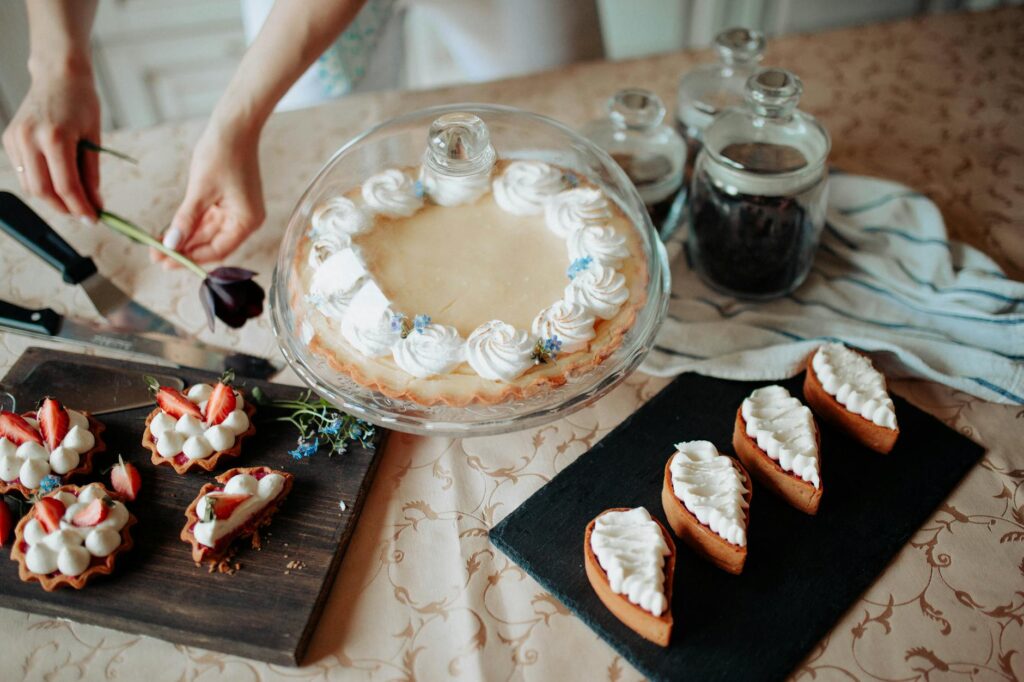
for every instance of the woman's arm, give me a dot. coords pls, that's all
(60, 109)
(224, 199)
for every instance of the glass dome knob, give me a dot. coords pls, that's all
(739, 45)
(459, 144)
(635, 108)
(774, 92)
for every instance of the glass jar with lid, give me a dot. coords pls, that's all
(711, 88)
(757, 198)
(651, 153)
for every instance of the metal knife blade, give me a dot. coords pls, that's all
(100, 390)
(124, 314)
(46, 323)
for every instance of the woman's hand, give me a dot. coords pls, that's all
(224, 200)
(60, 109)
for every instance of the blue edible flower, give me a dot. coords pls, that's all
(571, 179)
(578, 266)
(397, 320)
(420, 322)
(418, 188)
(333, 428)
(305, 448)
(49, 484)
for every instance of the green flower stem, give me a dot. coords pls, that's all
(135, 233)
(89, 145)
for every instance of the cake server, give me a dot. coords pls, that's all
(123, 314)
(48, 324)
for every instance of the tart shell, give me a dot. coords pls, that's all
(263, 517)
(657, 629)
(796, 491)
(85, 460)
(207, 463)
(53, 581)
(878, 438)
(701, 538)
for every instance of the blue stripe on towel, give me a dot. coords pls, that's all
(950, 290)
(880, 201)
(998, 389)
(679, 353)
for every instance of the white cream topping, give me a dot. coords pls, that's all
(784, 428)
(576, 209)
(712, 488)
(631, 549)
(69, 549)
(392, 193)
(599, 289)
(855, 383)
(194, 438)
(435, 349)
(570, 322)
(368, 326)
(31, 462)
(525, 187)
(453, 190)
(335, 282)
(603, 244)
(339, 217)
(499, 351)
(263, 491)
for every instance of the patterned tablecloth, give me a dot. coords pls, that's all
(935, 103)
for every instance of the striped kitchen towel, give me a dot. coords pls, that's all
(886, 280)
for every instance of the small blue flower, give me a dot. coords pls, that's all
(571, 179)
(420, 322)
(305, 448)
(552, 345)
(578, 266)
(397, 322)
(418, 188)
(49, 484)
(333, 428)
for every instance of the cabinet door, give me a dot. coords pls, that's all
(159, 61)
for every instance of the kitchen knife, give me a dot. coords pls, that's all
(49, 324)
(100, 390)
(124, 314)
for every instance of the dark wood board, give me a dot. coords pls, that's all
(260, 612)
(802, 572)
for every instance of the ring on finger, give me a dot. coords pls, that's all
(19, 168)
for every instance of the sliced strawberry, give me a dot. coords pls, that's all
(6, 523)
(54, 422)
(224, 504)
(173, 402)
(222, 403)
(49, 512)
(125, 479)
(14, 428)
(93, 514)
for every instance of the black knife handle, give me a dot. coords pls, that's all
(22, 223)
(42, 321)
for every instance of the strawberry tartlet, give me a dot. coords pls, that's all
(237, 506)
(52, 440)
(71, 535)
(198, 427)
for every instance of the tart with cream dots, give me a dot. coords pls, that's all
(466, 290)
(194, 429)
(240, 503)
(71, 535)
(52, 441)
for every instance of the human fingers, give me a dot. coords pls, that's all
(62, 160)
(37, 174)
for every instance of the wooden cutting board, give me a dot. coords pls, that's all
(265, 611)
(802, 572)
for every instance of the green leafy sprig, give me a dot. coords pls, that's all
(319, 423)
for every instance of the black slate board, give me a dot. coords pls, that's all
(260, 612)
(802, 572)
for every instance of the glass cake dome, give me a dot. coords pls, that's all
(449, 155)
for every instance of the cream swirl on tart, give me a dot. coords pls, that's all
(499, 351)
(631, 549)
(576, 209)
(600, 289)
(525, 187)
(187, 438)
(339, 216)
(853, 381)
(570, 323)
(784, 429)
(54, 440)
(431, 350)
(392, 193)
(603, 245)
(711, 488)
(353, 281)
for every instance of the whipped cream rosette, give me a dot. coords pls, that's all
(576, 209)
(525, 187)
(392, 194)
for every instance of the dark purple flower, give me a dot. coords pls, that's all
(231, 295)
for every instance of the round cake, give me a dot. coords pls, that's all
(468, 288)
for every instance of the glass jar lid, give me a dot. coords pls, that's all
(708, 89)
(767, 146)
